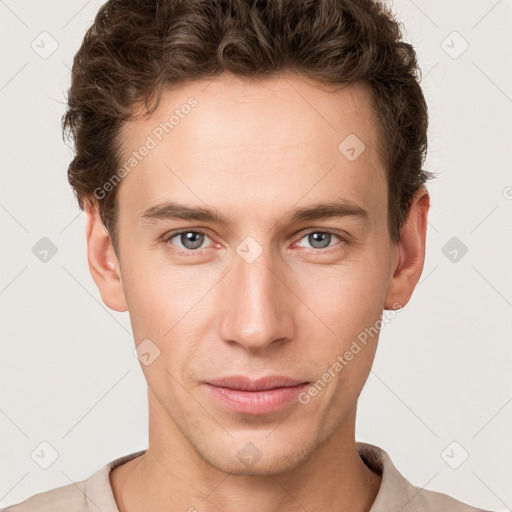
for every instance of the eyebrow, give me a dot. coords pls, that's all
(322, 211)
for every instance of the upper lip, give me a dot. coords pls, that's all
(261, 384)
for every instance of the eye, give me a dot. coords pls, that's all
(188, 240)
(320, 239)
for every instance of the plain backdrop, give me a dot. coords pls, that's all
(439, 399)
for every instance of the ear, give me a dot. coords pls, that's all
(103, 264)
(410, 253)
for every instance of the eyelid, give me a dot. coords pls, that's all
(307, 231)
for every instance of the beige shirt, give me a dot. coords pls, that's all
(95, 494)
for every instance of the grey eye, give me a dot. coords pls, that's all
(191, 239)
(319, 239)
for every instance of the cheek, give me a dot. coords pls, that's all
(159, 295)
(348, 297)
(163, 308)
(351, 307)
(349, 300)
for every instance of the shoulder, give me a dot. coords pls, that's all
(430, 501)
(68, 498)
(397, 493)
(91, 495)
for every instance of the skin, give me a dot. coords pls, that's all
(254, 151)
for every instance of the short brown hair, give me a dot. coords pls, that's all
(137, 48)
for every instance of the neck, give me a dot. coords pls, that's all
(171, 475)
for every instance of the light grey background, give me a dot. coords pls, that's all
(442, 372)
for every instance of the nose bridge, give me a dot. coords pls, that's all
(256, 312)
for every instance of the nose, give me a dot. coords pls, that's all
(257, 304)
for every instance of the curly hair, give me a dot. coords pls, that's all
(137, 48)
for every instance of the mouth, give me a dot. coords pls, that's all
(255, 397)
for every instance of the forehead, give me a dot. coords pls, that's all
(230, 141)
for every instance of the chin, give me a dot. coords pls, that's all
(253, 455)
(269, 463)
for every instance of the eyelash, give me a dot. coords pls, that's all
(191, 252)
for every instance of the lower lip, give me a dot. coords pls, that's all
(255, 402)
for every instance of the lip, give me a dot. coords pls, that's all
(244, 383)
(260, 396)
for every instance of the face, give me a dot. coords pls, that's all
(253, 242)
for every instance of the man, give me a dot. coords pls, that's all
(251, 174)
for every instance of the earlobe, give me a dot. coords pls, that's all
(410, 253)
(103, 263)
